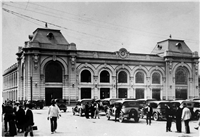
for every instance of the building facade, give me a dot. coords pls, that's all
(49, 67)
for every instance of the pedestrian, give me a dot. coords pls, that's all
(169, 117)
(53, 115)
(96, 114)
(149, 112)
(117, 111)
(20, 119)
(28, 120)
(6, 122)
(178, 118)
(186, 115)
(198, 123)
(92, 109)
(87, 110)
(11, 120)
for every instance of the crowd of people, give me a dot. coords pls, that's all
(18, 118)
(93, 109)
(182, 113)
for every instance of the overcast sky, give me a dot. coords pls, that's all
(101, 26)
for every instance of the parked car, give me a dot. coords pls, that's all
(107, 102)
(62, 104)
(159, 109)
(36, 104)
(142, 104)
(190, 104)
(129, 109)
(80, 106)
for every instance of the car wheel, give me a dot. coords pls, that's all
(156, 116)
(121, 118)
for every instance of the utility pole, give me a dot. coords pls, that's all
(31, 81)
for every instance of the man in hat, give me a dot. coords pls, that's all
(186, 115)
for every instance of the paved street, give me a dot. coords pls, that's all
(69, 125)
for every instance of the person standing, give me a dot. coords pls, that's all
(117, 111)
(53, 115)
(28, 120)
(169, 117)
(87, 110)
(92, 109)
(149, 112)
(97, 111)
(186, 115)
(20, 119)
(178, 118)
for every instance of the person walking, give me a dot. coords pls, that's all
(169, 117)
(198, 123)
(117, 111)
(87, 110)
(53, 115)
(149, 112)
(28, 120)
(20, 114)
(178, 118)
(96, 114)
(186, 115)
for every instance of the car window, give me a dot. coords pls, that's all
(153, 105)
(196, 104)
(105, 102)
(131, 104)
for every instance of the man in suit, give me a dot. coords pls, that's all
(169, 117)
(186, 115)
(178, 118)
(149, 112)
(28, 120)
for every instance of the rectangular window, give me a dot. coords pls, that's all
(156, 94)
(139, 93)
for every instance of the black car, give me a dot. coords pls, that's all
(62, 104)
(36, 104)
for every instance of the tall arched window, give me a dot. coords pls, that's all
(85, 76)
(139, 77)
(105, 77)
(181, 81)
(53, 72)
(156, 78)
(181, 76)
(122, 77)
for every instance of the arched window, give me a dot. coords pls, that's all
(139, 77)
(122, 77)
(85, 76)
(53, 72)
(156, 78)
(105, 77)
(181, 76)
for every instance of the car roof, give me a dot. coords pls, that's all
(182, 101)
(85, 99)
(149, 99)
(158, 102)
(122, 101)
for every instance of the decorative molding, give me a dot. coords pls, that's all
(35, 60)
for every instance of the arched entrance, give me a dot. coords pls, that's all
(181, 81)
(53, 81)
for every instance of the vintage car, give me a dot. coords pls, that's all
(129, 109)
(196, 108)
(159, 109)
(80, 106)
(106, 103)
(62, 104)
(36, 104)
(142, 104)
(190, 104)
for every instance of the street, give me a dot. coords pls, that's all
(70, 125)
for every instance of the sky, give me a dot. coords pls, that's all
(100, 26)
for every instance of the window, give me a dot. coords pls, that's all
(105, 77)
(156, 78)
(85, 76)
(181, 76)
(139, 93)
(122, 77)
(139, 77)
(53, 72)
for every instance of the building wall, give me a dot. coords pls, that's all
(28, 75)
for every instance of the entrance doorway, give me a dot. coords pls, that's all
(85, 93)
(52, 93)
(104, 93)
